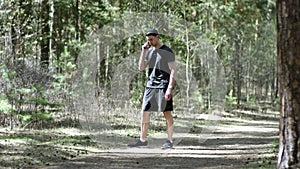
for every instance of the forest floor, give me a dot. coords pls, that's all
(239, 139)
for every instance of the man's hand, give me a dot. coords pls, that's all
(168, 94)
(146, 46)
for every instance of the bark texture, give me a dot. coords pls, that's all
(288, 51)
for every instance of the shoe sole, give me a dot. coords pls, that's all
(165, 148)
(137, 146)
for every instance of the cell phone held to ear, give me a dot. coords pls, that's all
(147, 46)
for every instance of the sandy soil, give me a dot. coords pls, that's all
(238, 140)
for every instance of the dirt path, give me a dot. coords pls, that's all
(240, 140)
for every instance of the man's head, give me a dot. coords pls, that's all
(152, 37)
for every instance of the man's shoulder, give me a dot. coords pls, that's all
(167, 48)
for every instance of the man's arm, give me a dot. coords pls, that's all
(172, 66)
(142, 62)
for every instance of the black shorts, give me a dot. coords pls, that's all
(154, 100)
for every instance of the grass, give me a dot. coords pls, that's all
(38, 148)
(266, 161)
(29, 149)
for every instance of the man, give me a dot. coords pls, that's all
(158, 93)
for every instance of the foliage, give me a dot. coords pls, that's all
(25, 97)
(41, 41)
(231, 100)
(5, 107)
(40, 148)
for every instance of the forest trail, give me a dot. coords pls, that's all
(240, 139)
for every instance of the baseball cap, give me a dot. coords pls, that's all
(151, 32)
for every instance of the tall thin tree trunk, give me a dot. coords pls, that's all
(51, 34)
(45, 43)
(58, 26)
(77, 30)
(248, 65)
(288, 51)
(237, 78)
(187, 71)
(8, 36)
(274, 84)
(238, 52)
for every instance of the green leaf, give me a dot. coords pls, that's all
(24, 90)
(26, 117)
(70, 65)
(5, 107)
(44, 116)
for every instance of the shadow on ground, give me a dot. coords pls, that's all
(234, 143)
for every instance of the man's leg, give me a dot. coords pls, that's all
(145, 123)
(169, 124)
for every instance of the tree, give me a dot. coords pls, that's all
(48, 34)
(45, 42)
(288, 51)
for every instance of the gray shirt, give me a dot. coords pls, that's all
(159, 71)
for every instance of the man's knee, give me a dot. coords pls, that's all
(167, 113)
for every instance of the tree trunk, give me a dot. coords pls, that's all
(187, 71)
(77, 30)
(58, 28)
(45, 43)
(288, 51)
(51, 33)
(237, 70)
(274, 85)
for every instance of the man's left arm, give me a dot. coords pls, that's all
(172, 66)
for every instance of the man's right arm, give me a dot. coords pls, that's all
(142, 62)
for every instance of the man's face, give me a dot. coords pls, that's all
(152, 39)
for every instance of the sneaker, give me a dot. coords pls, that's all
(139, 143)
(167, 145)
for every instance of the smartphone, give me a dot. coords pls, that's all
(148, 46)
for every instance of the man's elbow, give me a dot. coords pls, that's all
(141, 68)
